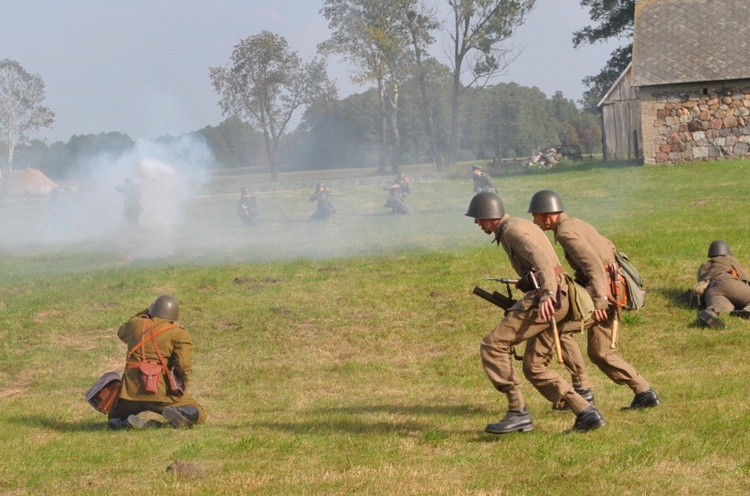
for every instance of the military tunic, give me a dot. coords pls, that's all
(176, 348)
(727, 289)
(589, 253)
(529, 249)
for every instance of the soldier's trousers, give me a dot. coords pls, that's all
(573, 360)
(601, 354)
(727, 295)
(516, 327)
(123, 408)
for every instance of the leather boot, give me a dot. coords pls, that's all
(136, 422)
(646, 399)
(588, 420)
(513, 421)
(587, 395)
(182, 417)
(743, 313)
(711, 319)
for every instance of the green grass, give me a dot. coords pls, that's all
(342, 357)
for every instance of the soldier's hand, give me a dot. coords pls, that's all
(546, 309)
(600, 315)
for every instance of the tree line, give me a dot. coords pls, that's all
(417, 108)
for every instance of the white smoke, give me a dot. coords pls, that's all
(166, 173)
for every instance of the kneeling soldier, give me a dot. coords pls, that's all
(157, 370)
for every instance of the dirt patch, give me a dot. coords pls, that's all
(44, 316)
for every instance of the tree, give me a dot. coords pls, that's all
(265, 83)
(479, 27)
(372, 36)
(21, 109)
(615, 18)
(419, 23)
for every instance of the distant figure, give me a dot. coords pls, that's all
(58, 209)
(132, 206)
(397, 192)
(482, 180)
(325, 207)
(247, 208)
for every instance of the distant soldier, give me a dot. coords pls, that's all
(247, 208)
(397, 192)
(482, 180)
(723, 286)
(58, 209)
(325, 207)
(132, 204)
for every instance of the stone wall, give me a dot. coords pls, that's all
(688, 123)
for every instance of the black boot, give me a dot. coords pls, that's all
(646, 399)
(587, 395)
(182, 417)
(743, 313)
(117, 424)
(588, 420)
(519, 420)
(711, 319)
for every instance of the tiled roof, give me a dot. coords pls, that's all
(681, 41)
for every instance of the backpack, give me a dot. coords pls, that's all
(633, 280)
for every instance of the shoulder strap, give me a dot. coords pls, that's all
(153, 333)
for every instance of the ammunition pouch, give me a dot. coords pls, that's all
(150, 376)
(105, 391)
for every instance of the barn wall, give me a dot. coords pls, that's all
(695, 122)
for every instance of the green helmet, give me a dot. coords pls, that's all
(164, 307)
(545, 202)
(719, 247)
(486, 206)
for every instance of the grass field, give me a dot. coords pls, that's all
(342, 357)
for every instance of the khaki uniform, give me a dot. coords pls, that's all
(726, 289)
(529, 249)
(176, 348)
(588, 254)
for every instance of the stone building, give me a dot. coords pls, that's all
(691, 70)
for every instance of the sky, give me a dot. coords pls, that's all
(141, 67)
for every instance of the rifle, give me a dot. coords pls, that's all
(497, 299)
(504, 280)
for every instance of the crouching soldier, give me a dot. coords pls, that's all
(157, 370)
(722, 285)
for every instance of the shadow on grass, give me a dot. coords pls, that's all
(356, 420)
(61, 425)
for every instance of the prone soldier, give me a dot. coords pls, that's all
(533, 319)
(723, 286)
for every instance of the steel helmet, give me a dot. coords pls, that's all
(545, 202)
(719, 247)
(486, 206)
(164, 307)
